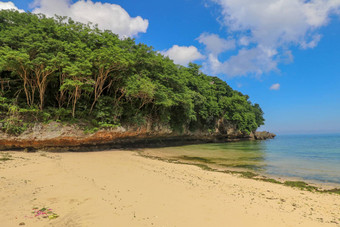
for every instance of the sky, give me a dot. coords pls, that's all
(284, 54)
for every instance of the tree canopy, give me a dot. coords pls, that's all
(59, 69)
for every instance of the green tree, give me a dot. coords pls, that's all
(108, 61)
(69, 68)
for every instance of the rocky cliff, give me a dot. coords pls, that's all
(70, 137)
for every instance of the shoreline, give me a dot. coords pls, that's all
(122, 188)
(317, 186)
(295, 182)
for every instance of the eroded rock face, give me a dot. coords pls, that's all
(56, 135)
(224, 127)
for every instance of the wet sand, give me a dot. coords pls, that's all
(121, 188)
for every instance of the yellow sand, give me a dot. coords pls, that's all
(120, 188)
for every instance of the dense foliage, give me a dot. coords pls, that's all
(59, 69)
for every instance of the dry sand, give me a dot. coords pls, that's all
(121, 188)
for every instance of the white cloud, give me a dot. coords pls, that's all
(9, 5)
(182, 54)
(275, 87)
(277, 22)
(214, 44)
(108, 16)
(244, 41)
(271, 27)
(255, 61)
(312, 43)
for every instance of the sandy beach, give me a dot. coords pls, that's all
(121, 188)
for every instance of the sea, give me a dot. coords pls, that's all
(311, 158)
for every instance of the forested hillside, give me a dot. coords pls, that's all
(62, 70)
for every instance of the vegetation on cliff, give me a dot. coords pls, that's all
(58, 69)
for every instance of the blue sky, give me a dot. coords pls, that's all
(292, 46)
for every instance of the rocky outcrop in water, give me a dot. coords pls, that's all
(263, 135)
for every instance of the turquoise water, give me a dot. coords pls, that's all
(310, 157)
(306, 157)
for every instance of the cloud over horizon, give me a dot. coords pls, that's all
(108, 16)
(9, 5)
(265, 31)
(183, 54)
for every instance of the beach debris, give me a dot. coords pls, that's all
(44, 213)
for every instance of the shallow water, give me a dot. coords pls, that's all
(306, 157)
